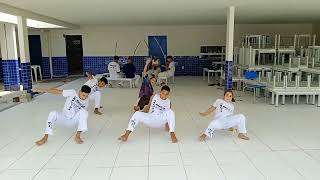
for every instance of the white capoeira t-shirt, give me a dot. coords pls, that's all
(73, 103)
(172, 68)
(114, 69)
(93, 84)
(159, 106)
(223, 109)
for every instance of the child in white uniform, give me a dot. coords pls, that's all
(156, 114)
(95, 94)
(74, 113)
(224, 118)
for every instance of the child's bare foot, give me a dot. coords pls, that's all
(124, 137)
(167, 129)
(173, 137)
(78, 140)
(242, 136)
(42, 140)
(96, 111)
(202, 137)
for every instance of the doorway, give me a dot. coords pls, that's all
(74, 52)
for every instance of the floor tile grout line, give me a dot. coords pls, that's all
(99, 133)
(252, 132)
(304, 150)
(7, 144)
(287, 163)
(115, 160)
(210, 150)
(17, 159)
(301, 149)
(296, 170)
(52, 157)
(246, 155)
(183, 165)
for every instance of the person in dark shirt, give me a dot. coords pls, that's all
(129, 71)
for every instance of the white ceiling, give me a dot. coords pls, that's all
(171, 12)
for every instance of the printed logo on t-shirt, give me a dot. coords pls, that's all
(95, 88)
(222, 108)
(76, 105)
(155, 106)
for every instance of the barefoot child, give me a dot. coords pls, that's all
(156, 114)
(224, 118)
(146, 90)
(74, 113)
(95, 94)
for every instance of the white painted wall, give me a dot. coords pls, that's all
(182, 40)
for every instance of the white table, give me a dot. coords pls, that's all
(209, 73)
(238, 80)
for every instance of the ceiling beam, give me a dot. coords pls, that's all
(31, 15)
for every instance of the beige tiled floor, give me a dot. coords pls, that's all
(284, 141)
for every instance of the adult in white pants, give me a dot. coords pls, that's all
(74, 113)
(96, 86)
(156, 114)
(224, 118)
(170, 68)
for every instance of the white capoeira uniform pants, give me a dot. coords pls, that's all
(58, 118)
(96, 97)
(238, 120)
(153, 121)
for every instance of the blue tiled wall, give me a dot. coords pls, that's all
(59, 66)
(11, 75)
(185, 65)
(45, 67)
(228, 75)
(98, 64)
(1, 71)
(26, 76)
(95, 64)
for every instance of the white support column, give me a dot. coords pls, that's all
(50, 53)
(24, 53)
(10, 61)
(23, 40)
(229, 47)
(230, 34)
